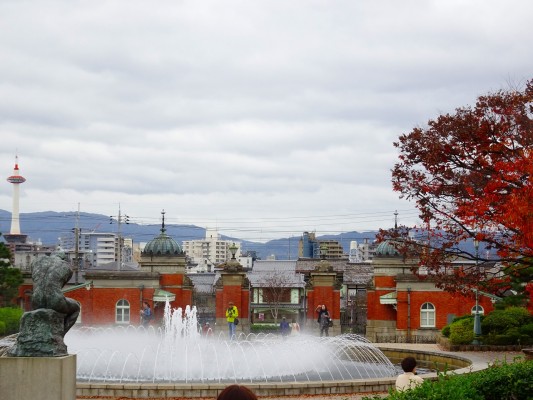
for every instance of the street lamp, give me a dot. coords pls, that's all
(233, 249)
(477, 320)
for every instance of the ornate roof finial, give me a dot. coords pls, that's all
(163, 222)
(396, 220)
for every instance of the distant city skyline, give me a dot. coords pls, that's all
(261, 119)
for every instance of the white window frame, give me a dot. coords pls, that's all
(122, 310)
(427, 315)
(480, 310)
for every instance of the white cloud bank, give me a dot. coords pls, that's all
(262, 118)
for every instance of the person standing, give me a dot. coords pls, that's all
(284, 327)
(409, 379)
(295, 327)
(146, 314)
(323, 320)
(231, 315)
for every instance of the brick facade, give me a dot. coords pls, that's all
(400, 311)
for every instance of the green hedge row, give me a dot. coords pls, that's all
(9, 320)
(264, 328)
(499, 382)
(511, 326)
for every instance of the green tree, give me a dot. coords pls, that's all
(10, 278)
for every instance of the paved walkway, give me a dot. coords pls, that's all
(480, 360)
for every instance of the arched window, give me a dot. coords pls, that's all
(480, 310)
(123, 312)
(427, 315)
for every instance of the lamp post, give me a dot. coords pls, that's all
(477, 320)
(233, 249)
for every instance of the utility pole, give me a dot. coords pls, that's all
(76, 264)
(121, 218)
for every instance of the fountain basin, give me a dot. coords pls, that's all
(327, 387)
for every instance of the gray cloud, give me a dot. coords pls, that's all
(270, 115)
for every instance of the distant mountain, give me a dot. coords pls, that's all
(49, 226)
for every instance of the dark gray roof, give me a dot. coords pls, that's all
(269, 265)
(358, 274)
(283, 270)
(203, 282)
(309, 264)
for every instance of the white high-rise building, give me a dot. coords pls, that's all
(99, 249)
(361, 252)
(209, 252)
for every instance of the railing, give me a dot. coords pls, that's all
(428, 338)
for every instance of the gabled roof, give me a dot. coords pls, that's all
(285, 271)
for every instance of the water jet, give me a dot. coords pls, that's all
(177, 353)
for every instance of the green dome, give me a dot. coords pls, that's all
(162, 245)
(386, 249)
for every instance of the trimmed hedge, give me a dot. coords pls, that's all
(264, 328)
(511, 326)
(462, 331)
(446, 331)
(501, 381)
(499, 321)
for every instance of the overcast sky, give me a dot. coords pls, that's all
(261, 118)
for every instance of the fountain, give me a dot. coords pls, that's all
(178, 353)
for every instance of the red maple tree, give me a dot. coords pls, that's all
(471, 175)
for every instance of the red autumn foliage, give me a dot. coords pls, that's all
(471, 175)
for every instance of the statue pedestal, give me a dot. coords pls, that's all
(38, 378)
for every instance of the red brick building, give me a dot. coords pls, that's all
(116, 296)
(401, 304)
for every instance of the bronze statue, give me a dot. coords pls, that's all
(43, 329)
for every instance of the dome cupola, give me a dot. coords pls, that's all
(162, 245)
(386, 249)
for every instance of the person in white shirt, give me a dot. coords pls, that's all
(408, 379)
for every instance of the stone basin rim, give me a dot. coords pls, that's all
(148, 390)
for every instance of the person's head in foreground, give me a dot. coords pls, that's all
(409, 364)
(236, 392)
(408, 379)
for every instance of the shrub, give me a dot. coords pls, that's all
(462, 331)
(265, 328)
(2, 328)
(446, 331)
(498, 382)
(499, 321)
(461, 317)
(505, 381)
(520, 314)
(527, 330)
(11, 318)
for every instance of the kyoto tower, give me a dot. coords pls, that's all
(16, 179)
